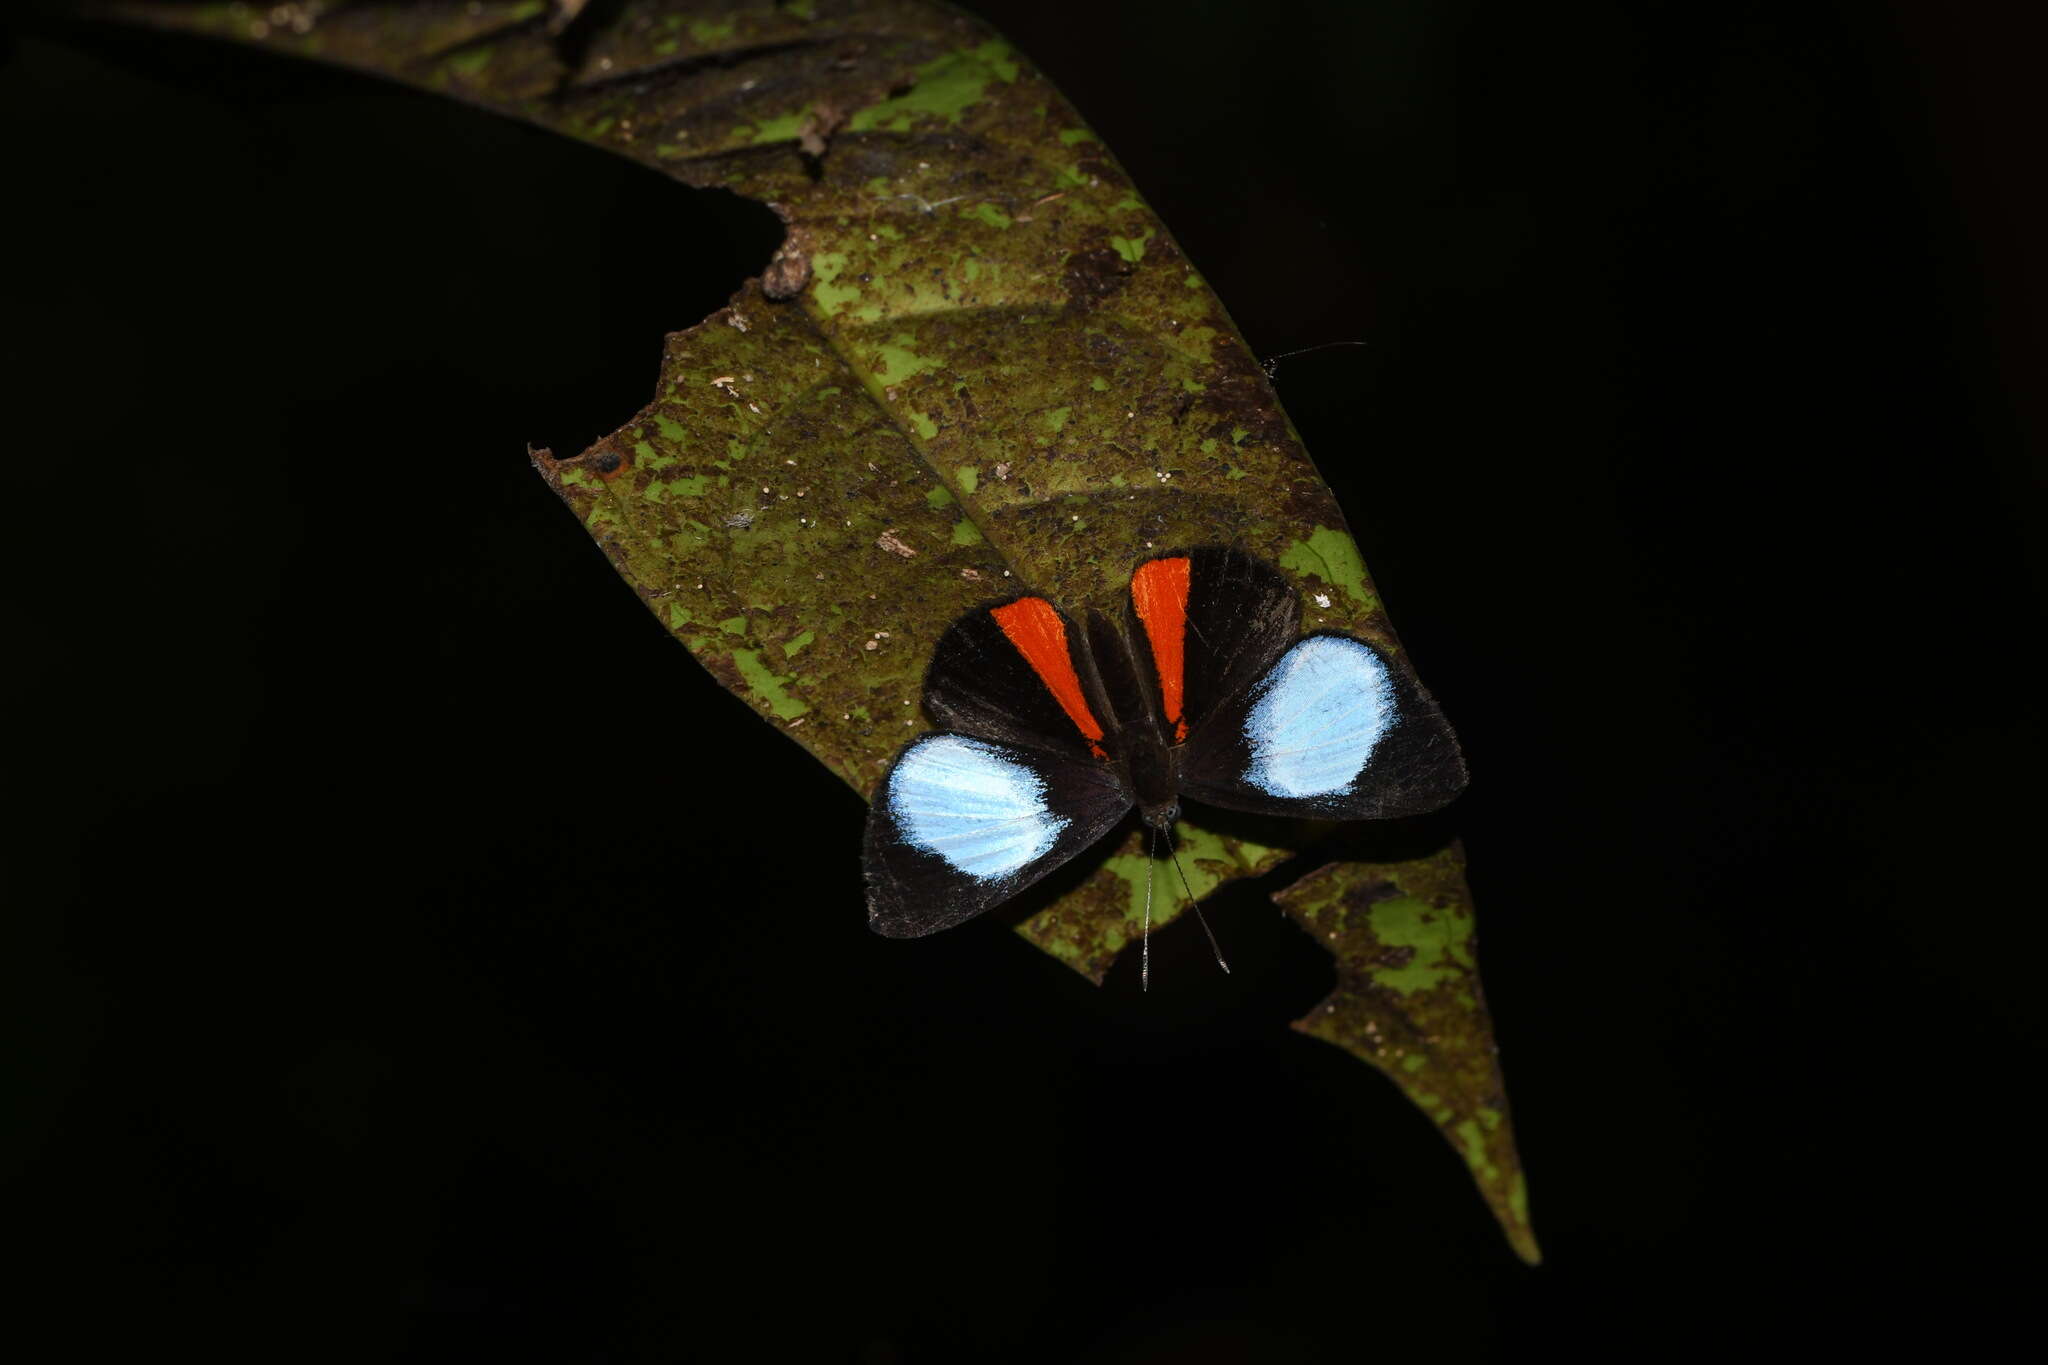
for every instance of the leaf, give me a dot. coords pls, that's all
(979, 361)
(1408, 1002)
(985, 364)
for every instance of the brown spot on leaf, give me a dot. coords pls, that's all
(893, 543)
(564, 15)
(1092, 275)
(789, 270)
(814, 134)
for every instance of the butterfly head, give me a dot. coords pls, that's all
(1161, 817)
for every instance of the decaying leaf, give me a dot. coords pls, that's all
(978, 362)
(1408, 1002)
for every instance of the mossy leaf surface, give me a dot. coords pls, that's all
(1408, 1003)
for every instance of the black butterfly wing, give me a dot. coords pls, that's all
(1333, 729)
(961, 823)
(1016, 671)
(1204, 625)
(1273, 722)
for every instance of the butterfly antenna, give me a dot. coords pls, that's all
(1201, 918)
(1271, 364)
(1145, 953)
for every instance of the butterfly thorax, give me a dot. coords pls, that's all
(1151, 769)
(1151, 764)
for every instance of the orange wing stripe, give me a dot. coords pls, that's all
(1159, 590)
(1041, 637)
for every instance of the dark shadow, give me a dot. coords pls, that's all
(657, 256)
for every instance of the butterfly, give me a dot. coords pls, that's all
(1052, 733)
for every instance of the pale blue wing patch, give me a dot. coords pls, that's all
(1317, 717)
(982, 811)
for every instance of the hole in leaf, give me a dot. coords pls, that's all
(488, 254)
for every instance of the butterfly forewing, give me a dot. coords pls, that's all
(962, 823)
(1207, 624)
(1014, 672)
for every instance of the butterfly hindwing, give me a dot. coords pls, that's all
(961, 823)
(1333, 729)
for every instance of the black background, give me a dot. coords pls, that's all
(418, 957)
